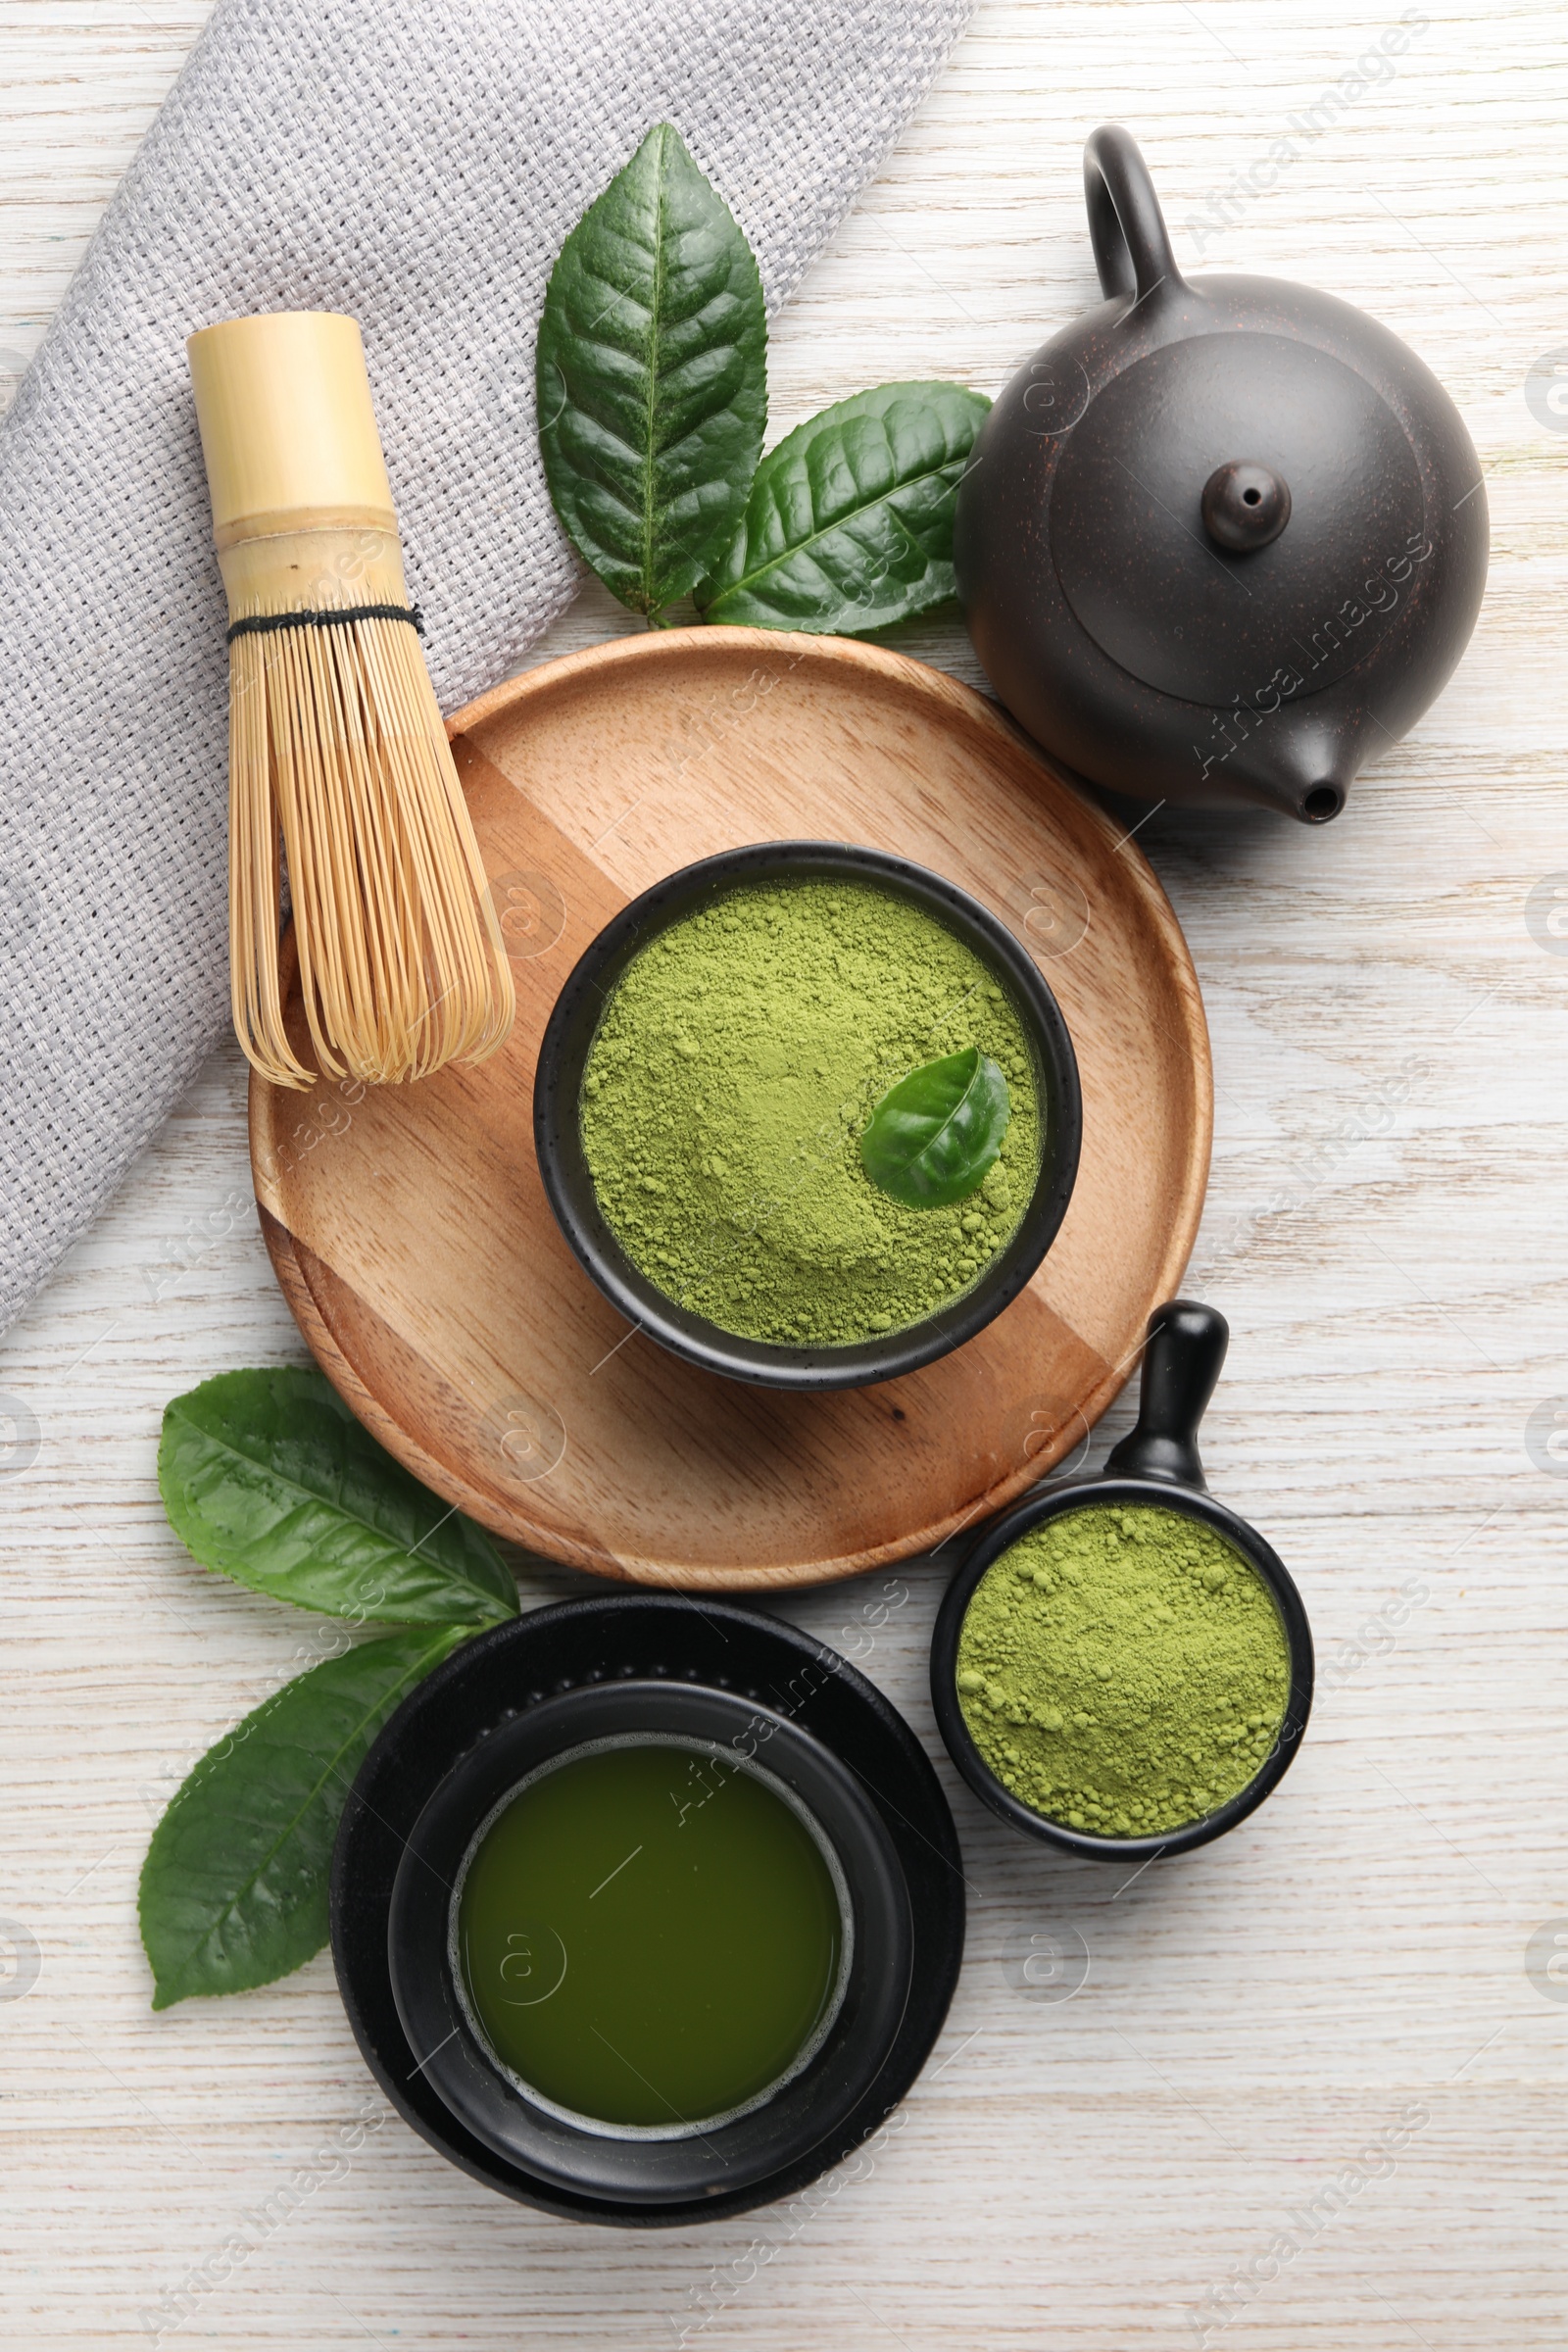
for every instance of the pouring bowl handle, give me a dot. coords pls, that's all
(1182, 1353)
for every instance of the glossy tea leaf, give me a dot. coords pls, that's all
(934, 1136)
(234, 1887)
(848, 525)
(651, 377)
(268, 1477)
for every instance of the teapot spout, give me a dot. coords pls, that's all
(1306, 772)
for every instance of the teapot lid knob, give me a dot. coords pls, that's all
(1244, 506)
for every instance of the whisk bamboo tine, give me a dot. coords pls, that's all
(336, 748)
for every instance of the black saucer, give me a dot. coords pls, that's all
(495, 1680)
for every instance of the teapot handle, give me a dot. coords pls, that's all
(1126, 226)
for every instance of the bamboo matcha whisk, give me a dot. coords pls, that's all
(335, 738)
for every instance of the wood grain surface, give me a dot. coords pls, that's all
(411, 1231)
(1204, 2145)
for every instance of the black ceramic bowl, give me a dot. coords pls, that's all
(636, 2166)
(570, 1187)
(661, 1664)
(1156, 1464)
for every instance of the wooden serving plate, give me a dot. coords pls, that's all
(410, 1230)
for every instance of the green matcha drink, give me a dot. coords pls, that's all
(648, 1937)
(728, 1094)
(1123, 1671)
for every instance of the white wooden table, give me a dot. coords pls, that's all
(1372, 1956)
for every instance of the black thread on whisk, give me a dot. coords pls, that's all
(262, 624)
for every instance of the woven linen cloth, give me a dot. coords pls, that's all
(415, 162)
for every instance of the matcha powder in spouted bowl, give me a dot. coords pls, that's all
(727, 1093)
(1123, 1671)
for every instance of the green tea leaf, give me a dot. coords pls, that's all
(651, 377)
(268, 1477)
(234, 1887)
(848, 525)
(933, 1137)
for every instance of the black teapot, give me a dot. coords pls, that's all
(1219, 542)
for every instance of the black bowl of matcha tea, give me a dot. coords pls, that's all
(807, 1115)
(646, 1912)
(1122, 1667)
(653, 1940)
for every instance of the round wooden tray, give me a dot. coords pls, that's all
(410, 1230)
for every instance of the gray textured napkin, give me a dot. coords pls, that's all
(416, 162)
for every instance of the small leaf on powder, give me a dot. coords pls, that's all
(934, 1136)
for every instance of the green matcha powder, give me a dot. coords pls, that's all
(1123, 1671)
(728, 1087)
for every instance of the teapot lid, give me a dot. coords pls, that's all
(1230, 504)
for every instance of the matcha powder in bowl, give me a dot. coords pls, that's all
(729, 1082)
(1123, 1671)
